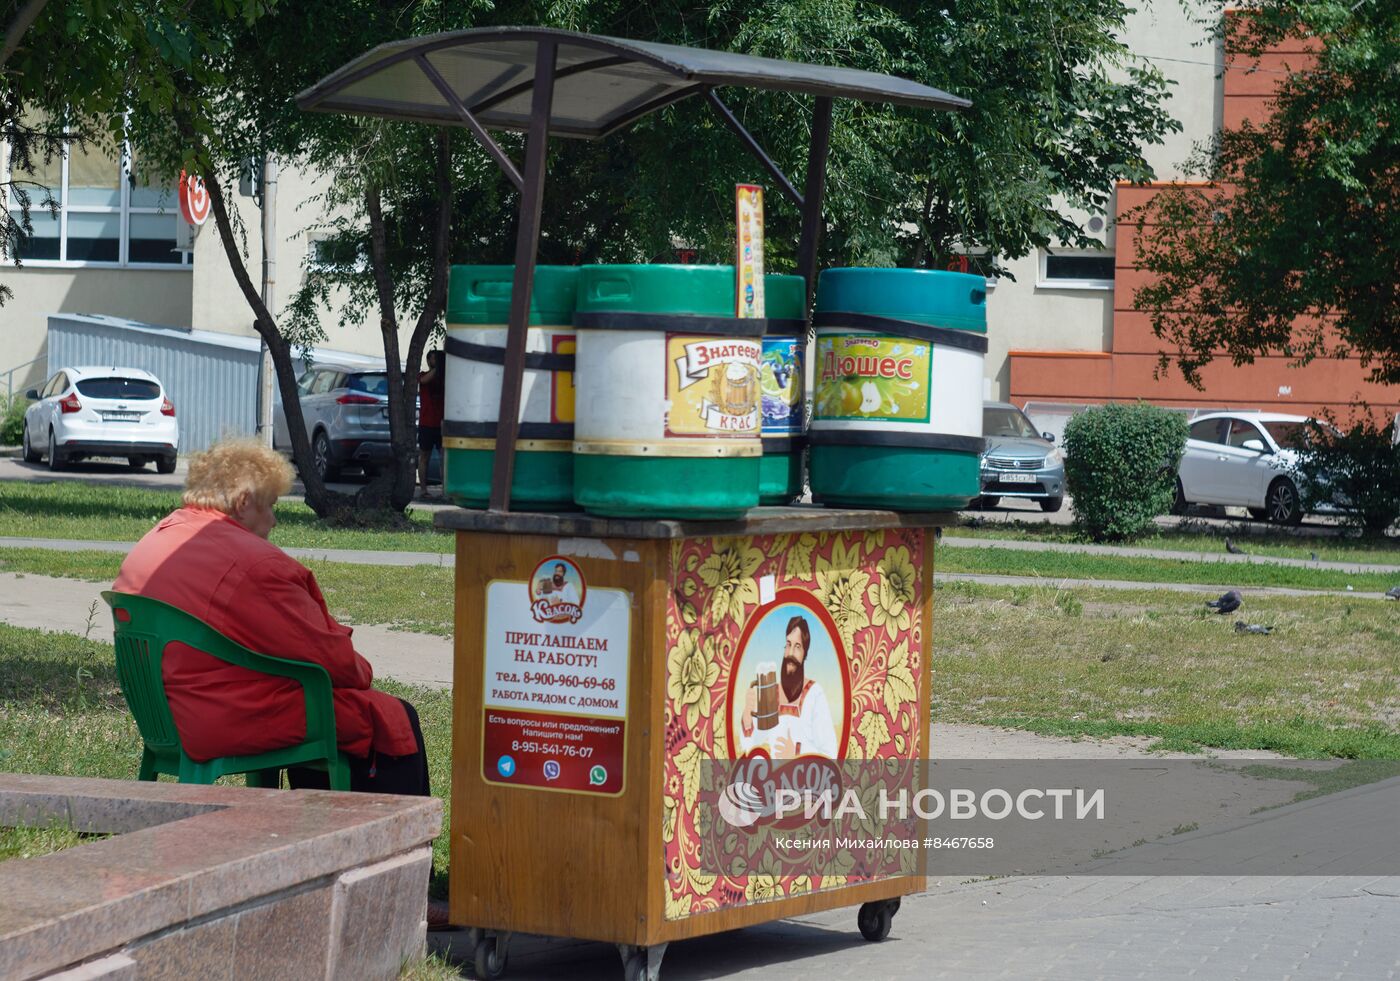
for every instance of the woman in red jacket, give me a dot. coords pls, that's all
(211, 558)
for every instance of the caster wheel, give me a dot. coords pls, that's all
(636, 967)
(874, 920)
(489, 962)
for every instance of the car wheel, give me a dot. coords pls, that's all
(31, 455)
(1258, 514)
(1282, 503)
(56, 461)
(166, 464)
(1051, 504)
(321, 457)
(987, 501)
(137, 462)
(1180, 505)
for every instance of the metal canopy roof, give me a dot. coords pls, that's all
(612, 82)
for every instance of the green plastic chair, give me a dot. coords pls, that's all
(143, 628)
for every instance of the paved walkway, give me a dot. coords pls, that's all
(446, 560)
(1127, 551)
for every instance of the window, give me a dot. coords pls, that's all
(109, 212)
(1241, 432)
(131, 389)
(1007, 422)
(374, 384)
(1207, 430)
(1076, 270)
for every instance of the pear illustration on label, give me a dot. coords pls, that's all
(869, 397)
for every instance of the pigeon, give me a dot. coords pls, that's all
(1314, 556)
(1234, 549)
(1393, 593)
(1228, 603)
(1251, 628)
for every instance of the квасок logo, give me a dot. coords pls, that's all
(557, 591)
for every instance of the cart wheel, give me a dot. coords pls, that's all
(635, 969)
(490, 960)
(874, 920)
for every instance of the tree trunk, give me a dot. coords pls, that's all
(325, 503)
(393, 488)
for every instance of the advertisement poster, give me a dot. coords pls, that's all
(873, 377)
(792, 647)
(712, 386)
(561, 394)
(780, 385)
(748, 265)
(555, 686)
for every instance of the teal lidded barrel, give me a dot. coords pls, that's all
(781, 475)
(897, 419)
(668, 393)
(478, 315)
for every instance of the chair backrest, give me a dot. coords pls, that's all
(143, 627)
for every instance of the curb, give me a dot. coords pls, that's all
(11, 451)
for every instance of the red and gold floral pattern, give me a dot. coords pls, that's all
(872, 583)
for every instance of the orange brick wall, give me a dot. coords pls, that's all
(1131, 369)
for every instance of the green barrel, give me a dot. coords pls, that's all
(781, 474)
(478, 313)
(897, 418)
(668, 393)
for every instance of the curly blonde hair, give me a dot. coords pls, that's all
(233, 467)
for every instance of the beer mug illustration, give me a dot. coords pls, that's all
(738, 391)
(766, 715)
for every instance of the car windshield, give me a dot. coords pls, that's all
(376, 384)
(1007, 422)
(130, 389)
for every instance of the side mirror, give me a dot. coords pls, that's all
(32, 395)
(1256, 445)
(1048, 435)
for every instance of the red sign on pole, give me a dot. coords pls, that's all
(194, 198)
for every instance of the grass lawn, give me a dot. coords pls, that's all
(1073, 565)
(1211, 538)
(1102, 663)
(87, 512)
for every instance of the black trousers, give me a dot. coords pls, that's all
(380, 774)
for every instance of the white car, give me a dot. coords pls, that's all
(1244, 459)
(83, 412)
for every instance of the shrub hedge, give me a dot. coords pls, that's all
(1120, 467)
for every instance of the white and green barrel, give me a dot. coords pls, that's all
(783, 387)
(897, 419)
(478, 312)
(669, 423)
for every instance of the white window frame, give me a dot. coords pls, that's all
(124, 210)
(315, 263)
(1042, 281)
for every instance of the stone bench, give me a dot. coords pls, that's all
(214, 882)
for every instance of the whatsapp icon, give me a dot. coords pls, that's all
(598, 776)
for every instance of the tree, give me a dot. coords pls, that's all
(1294, 248)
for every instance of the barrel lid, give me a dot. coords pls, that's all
(481, 294)
(784, 297)
(704, 291)
(926, 296)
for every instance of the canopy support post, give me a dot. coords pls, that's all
(473, 124)
(748, 140)
(527, 240)
(812, 199)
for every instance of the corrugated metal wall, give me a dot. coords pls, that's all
(212, 378)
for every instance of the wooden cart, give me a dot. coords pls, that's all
(596, 666)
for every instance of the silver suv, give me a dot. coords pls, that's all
(347, 419)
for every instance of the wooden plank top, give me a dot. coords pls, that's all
(758, 521)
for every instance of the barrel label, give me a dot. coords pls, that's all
(873, 378)
(781, 383)
(712, 386)
(561, 394)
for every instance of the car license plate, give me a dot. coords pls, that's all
(120, 416)
(1016, 478)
